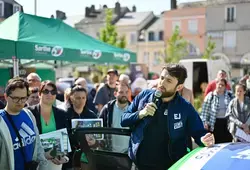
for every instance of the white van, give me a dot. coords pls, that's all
(202, 70)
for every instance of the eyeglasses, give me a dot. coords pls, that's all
(52, 92)
(18, 99)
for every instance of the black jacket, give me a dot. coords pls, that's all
(2, 105)
(61, 118)
(107, 113)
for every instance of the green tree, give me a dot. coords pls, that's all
(109, 33)
(176, 47)
(209, 50)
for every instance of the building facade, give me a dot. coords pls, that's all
(191, 22)
(228, 25)
(152, 45)
(95, 19)
(8, 8)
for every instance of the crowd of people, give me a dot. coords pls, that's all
(161, 129)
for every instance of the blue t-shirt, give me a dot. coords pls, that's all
(26, 130)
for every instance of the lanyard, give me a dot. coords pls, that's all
(17, 133)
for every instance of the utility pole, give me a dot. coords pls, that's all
(35, 7)
(173, 4)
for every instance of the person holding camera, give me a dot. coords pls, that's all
(20, 146)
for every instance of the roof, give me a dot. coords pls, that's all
(11, 2)
(196, 4)
(158, 24)
(101, 15)
(72, 20)
(43, 38)
(133, 18)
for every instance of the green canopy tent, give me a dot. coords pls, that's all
(40, 38)
(7, 48)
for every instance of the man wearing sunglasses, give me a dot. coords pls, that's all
(20, 146)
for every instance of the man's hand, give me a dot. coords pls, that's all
(149, 110)
(208, 139)
(245, 128)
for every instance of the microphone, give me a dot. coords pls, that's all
(157, 96)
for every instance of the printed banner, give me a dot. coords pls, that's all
(82, 123)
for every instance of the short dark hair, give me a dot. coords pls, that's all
(224, 80)
(178, 71)
(77, 88)
(47, 83)
(14, 83)
(33, 90)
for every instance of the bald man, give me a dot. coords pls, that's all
(34, 80)
(83, 83)
(123, 78)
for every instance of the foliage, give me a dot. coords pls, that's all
(209, 50)
(198, 101)
(176, 47)
(109, 33)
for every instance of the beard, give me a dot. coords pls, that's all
(169, 93)
(122, 100)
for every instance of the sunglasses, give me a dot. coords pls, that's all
(52, 92)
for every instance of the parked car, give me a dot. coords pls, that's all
(227, 156)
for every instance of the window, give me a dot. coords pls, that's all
(1, 9)
(161, 34)
(229, 39)
(146, 57)
(230, 13)
(157, 56)
(132, 38)
(193, 26)
(151, 36)
(16, 8)
(192, 50)
(176, 24)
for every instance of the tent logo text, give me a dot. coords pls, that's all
(125, 56)
(95, 54)
(55, 51)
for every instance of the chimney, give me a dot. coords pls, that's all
(60, 15)
(87, 12)
(118, 8)
(92, 8)
(134, 8)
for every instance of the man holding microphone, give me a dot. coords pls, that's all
(162, 121)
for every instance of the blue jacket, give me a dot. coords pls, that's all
(183, 121)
